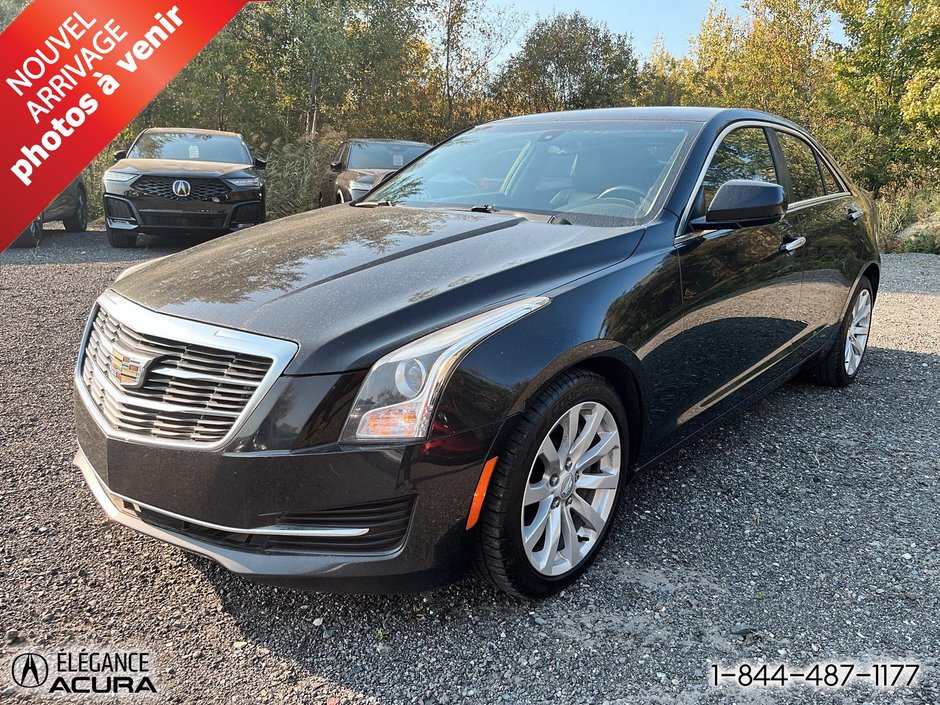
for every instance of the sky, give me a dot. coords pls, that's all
(675, 20)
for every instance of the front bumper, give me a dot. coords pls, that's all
(227, 505)
(127, 211)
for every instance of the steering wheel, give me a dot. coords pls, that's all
(624, 187)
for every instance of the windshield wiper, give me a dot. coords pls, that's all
(373, 204)
(485, 208)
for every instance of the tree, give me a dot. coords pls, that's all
(467, 36)
(569, 62)
(660, 80)
(874, 70)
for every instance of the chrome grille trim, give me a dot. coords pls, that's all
(204, 381)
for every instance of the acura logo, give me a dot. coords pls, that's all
(30, 670)
(182, 188)
(128, 369)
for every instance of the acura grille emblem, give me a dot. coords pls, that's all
(182, 188)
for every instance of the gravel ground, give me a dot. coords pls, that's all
(811, 520)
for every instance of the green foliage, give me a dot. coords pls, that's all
(909, 218)
(297, 75)
(568, 62)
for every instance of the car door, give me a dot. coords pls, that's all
(740, 289)
(827, 214)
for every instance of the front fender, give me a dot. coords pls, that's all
(617, 321)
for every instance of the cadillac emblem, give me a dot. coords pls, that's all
(128, 369)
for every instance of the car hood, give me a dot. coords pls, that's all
(179, 167)
(350, 284)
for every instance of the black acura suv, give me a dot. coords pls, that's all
(182, 182)
(467, 366)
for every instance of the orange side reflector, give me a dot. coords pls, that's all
(477, 504)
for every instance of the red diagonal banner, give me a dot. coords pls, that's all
(74, 73)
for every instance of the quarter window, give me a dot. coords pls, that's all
(805, 179)
(832, 183)
(743, 154)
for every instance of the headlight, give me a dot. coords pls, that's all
(358, 185)
(398, 397)
(248, 181)
(119, 176)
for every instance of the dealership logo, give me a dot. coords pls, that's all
(30, 670)
(182, 188)
(128, 369)
(85, 672)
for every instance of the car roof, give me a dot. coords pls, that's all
(367, 140)
(686, 113)
(193, 131)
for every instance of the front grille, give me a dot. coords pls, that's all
(387, 523)
(118, 209)
(183, 221)
(200, 189)
(183, 391)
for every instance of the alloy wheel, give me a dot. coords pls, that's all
(856, 337)
(571, 489)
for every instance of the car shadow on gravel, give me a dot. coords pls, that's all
(784, 522)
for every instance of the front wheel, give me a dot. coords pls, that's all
(556, 488)
(78, 221)
(843, 361)
(31, 237)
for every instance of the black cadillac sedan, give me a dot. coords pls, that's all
(182, 182)
(467, 366)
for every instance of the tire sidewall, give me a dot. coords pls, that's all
(533, 582)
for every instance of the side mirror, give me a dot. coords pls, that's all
(741, 204)
(120, 154)
(261, 164)
(336, 166)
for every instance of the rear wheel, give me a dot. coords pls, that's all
(78, 221)
(31, 237)
(121, 240)
(556, 488)
(843, 361)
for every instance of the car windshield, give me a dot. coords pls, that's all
(190, 146)
(383, 155)
(591, 173)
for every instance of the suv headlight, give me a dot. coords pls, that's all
(246, 181)
(360, 185)
(119, 176)
(397, 399)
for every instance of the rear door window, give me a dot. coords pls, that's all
(742, 154)
(805, 178)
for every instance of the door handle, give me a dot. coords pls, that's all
(793, 245)
(854, 215)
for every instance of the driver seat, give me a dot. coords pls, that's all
(596, 171)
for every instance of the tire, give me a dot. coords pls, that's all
(78, 221)
(509, 510)
(835, 369)
(339, 198)
(31, 237)
(121, 240)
